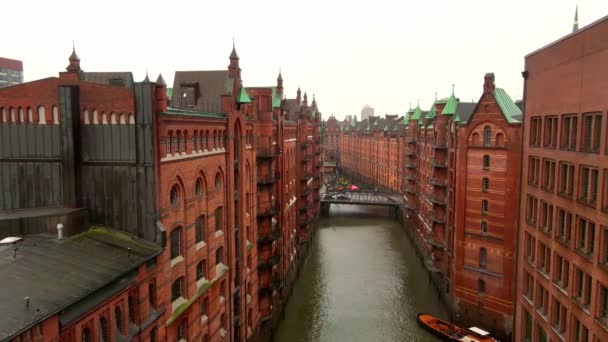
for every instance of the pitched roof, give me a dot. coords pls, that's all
(451, 106)
(210, 84)
(124, 79)
(464, 110)
(57, 274)
(292, 106)
(417, 113)
(243, 97)
(509, 109)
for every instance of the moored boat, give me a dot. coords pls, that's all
(452, 332)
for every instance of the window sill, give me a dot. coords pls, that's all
(223, 332)
(178, 259)
(222, 299)
(559, 286)
(590, 204)
(588, 257)
(218, 233)
(558, 333)
(200, 245)
(248, 299)
(177, 303)
(602, 322)
(201, 282)
(204, 318)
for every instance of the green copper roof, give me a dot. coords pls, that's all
(276, 98)
(507, 106)
(432, 112)
(457, 118)
(185, 112)
(452, 105)
(406, 118)
(169, 92)
(243, 97)
(417, 114)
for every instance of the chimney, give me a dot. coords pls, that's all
(59, 231)
(488, 83)
(161, 93)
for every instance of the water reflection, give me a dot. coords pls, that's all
(361, 282)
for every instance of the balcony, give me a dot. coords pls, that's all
(438, 182)
(270, 210)
(268, 153)
(437, 218)
(439, 163)
(268, 180)
(439, 200)
(266, 264)
(274, 235)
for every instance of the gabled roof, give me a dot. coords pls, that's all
(509, 109)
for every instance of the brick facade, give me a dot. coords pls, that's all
(562, 291)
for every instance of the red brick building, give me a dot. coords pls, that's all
(456, 200)
(331, 140)
(562, 291)
(206, 207)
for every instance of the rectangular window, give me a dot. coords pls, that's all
(531, 210)
(544, 258)
(484, 207)
(528, 286)
(582, 287)
(528, 326)
(605, 191)
(602, 307)
(199, 226)
(561, 271)
(176, 237)
(569, 130)
(581, 333)
(604, 245)
(550, 140)
(587, 187)
(548, 179)
(585, 236)
(530, 251)
(592, 132)
(534, 171)
(535, 130)
(566, 180)
(218, 219)
(546, 217)
(542, 300)
(558, 317)
(564, 226)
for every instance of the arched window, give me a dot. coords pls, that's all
(131, 309)
(41, 115)
(154, 334)
(13, 116)
(486, 162)
(122, 120)
(200, 228)
(204, 306)
(3, 111)
(484, 207)
(218, 181)
(104, 118)
(483, 257)
(168, 143)
(86, 118)
(218, 219)
(487, 136)
(177, 288)
(175, 143)
(485, 184)
(95, 118)
(183, 142)
(475, 139)
(219, 255)
(118, 319)
(131, 119)
(214, 140)
(484, 226)
(198, 188)
(21, 115)
(152, 293)
(86, 335)
(207, 140)
(201, 270)
(181, 330)
(481, 286)
(176, 242)
(103, 329)
(113, 118)
(30, 115)
(55, 115)
(500, 139)
(174, 196)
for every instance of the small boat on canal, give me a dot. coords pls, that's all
(451, 332)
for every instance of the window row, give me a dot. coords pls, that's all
(584, 186)
(120, 325)
(178, 287)
(200, 226)
(587, 135)
(176, 142)
(175, 194)
(28, 115)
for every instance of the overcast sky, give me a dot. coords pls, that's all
(384, 53)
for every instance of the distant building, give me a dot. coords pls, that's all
(11, 72)
(367, 112)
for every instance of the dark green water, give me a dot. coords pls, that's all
(361, 282)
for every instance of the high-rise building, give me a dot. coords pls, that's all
(562, 292)
(367, 112)
(11, 72)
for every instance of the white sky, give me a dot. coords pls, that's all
(349, 53)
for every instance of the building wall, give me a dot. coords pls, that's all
(11, 72)
(566, 79)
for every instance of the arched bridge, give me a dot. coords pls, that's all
(360, 197)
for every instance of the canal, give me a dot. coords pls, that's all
(362, 282)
